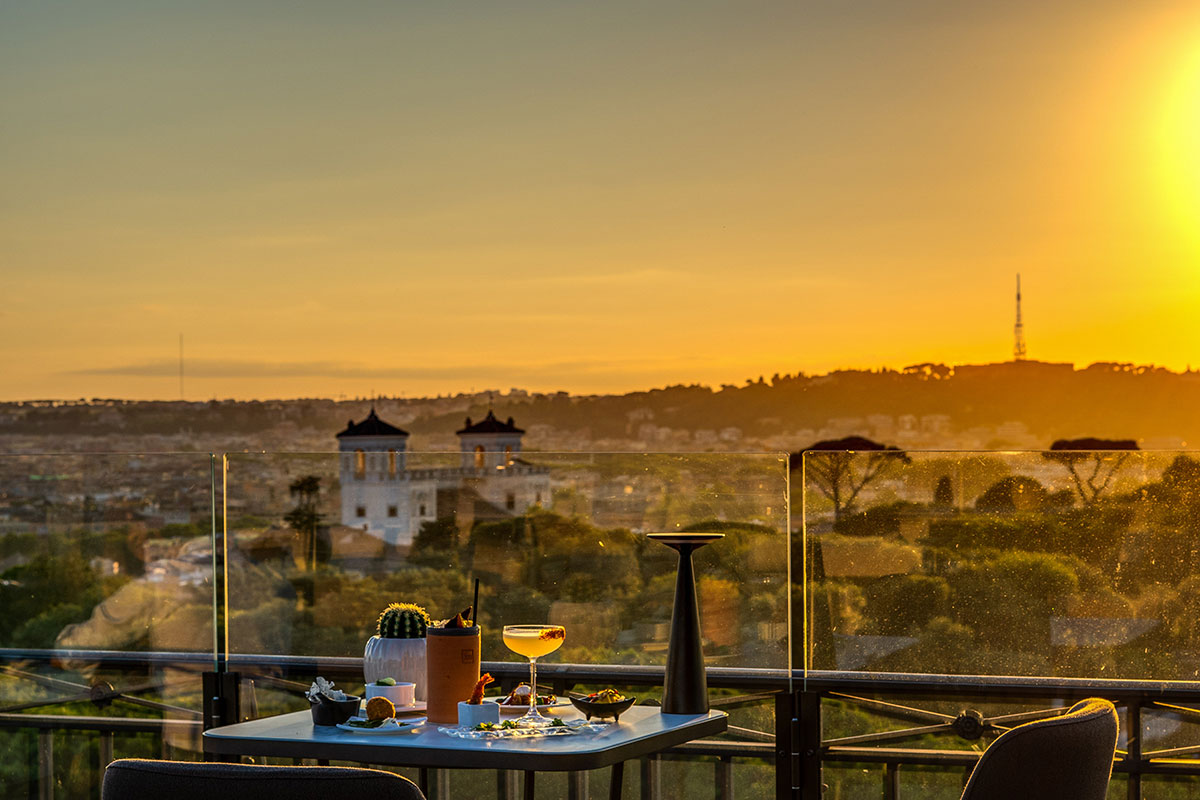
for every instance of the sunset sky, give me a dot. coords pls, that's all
(410, 198)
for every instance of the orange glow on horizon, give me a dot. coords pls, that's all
(414, 200)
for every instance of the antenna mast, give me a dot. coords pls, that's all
(1019, 328)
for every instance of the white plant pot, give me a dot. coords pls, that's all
(402, 659)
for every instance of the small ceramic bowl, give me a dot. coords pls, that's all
(602, 710)
(334, 712)
(401, 695)
(470, 715)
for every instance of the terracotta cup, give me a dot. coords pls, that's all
(451, 670)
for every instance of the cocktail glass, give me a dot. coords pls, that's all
(533, 642)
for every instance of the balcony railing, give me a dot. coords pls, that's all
(871, 621)
(798, 748)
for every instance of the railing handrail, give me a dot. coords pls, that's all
(641, 674)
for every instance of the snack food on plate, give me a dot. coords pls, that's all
(605, 696)
(520, 697)
(380, 708)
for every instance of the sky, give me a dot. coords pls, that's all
(406, 199)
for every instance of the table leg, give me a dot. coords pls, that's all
(508, 784)
(529, 786)
(577, 786)
(651, 784)
(616, 779)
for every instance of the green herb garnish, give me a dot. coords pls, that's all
(366, 723)
(558, 723)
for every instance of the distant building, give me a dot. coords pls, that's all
(383, 496)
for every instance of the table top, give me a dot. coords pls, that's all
(643, 730)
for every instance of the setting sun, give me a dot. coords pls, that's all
(1178, 163)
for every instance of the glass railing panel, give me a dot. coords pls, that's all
(106, 581)
(1065, 563)
(319, 544)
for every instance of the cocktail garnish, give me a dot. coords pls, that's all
(460, 620)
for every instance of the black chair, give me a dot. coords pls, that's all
(139, 778)
(1069, 757)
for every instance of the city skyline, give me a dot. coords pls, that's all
(407, 200)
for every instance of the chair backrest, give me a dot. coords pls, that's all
(138, 778)
(1069, 757)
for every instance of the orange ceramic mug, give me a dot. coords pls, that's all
(451, 670)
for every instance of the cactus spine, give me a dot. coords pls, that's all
(403, 621)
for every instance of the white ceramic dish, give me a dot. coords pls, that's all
(402, 694)
(390, 727)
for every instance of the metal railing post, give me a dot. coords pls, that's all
(106, 750)
(45, 751)
(891, 781)
(809, 773)
(787, 744)
(1133, 749)
(724, 777)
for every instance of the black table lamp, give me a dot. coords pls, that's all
(685, 690)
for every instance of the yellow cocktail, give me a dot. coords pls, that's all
(533, 642)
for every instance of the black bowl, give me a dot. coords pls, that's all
(334, 712)
(602, 710)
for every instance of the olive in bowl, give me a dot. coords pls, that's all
(602, 704)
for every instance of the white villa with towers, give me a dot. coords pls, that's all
(381, 495)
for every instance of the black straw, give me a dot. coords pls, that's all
(475, 605)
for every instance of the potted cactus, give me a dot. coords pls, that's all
(398, 649)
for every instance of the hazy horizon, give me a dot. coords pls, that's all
(397, 199)
(505, 391)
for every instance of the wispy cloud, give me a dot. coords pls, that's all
(226, 368)
(633, 278)
(282, 240)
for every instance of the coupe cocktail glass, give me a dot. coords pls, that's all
(533, 642)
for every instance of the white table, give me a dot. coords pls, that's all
(642, 731)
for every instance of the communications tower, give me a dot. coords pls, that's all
(1019, 328)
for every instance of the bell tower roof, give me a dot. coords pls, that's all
(371, 426)
(489, 424)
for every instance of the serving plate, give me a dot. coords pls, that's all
(521, 709)
(390, 727)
